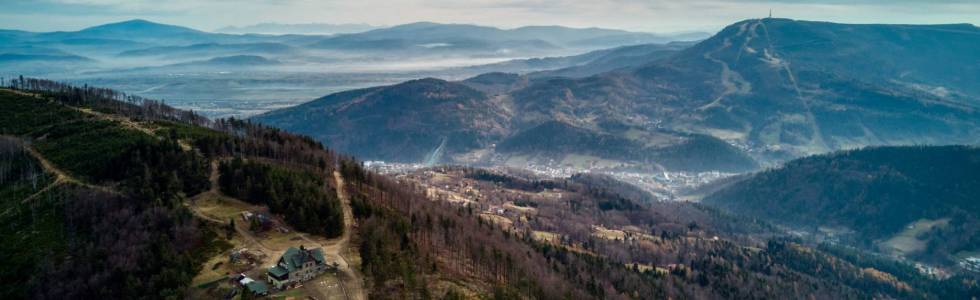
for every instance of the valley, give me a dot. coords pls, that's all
(664, 186)
(749, 97)
(773, 159)
(440, 230)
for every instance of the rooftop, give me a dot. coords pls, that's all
(278, 272)
(257, 287)
(294, 258)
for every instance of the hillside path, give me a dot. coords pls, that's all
(350, 278)
(60, 177)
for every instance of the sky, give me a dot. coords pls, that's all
(637, 15)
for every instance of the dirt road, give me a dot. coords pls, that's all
(350, 278)
(274, 244)
(60, 176)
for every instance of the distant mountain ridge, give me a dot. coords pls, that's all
(40, 57)
(587, 64)
(774, 89)
(452, 34)
(308, 28)
(138, 30)
(138, 25)
(156, 44)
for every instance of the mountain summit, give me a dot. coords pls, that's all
(774, 88)
(137, 27)
(136, 30)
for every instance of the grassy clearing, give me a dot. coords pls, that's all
(222, 208)
(545, 236)
(644, 267)
(526, 210)
(294, 293)
(907, 241)
(609, 234)
(218, 266)
(501, 221)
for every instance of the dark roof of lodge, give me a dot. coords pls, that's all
(257, 287)
(294, 258)
(278, 272)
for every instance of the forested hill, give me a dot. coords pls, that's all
(102, 196)
(876, 192)
(99, 201)
(95, 185)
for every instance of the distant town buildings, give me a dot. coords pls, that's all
(662, 184)
(971, 263)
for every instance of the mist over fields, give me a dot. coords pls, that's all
(247, 70)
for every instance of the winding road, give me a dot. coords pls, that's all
(350, 279)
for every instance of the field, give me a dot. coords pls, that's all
(609, 234)
(546, 236)
(906, 242)
(223, 94)
(580, 161)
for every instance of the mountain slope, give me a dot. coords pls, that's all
(691, 153)
(113, 199)
(674, 246)
(133, 30)
(753, 84)
(87, 196)
(523, 41)
(13, 58)
(618, 58)
(436, 121)
(586, 64)
(309, 28)
(775, 88)
(875, 192)
(109, 202)
(557, 35)
(408, 121)
(90, 220)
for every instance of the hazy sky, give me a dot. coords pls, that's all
(643, 15)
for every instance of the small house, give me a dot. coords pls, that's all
(257, 288)
(297, 265)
